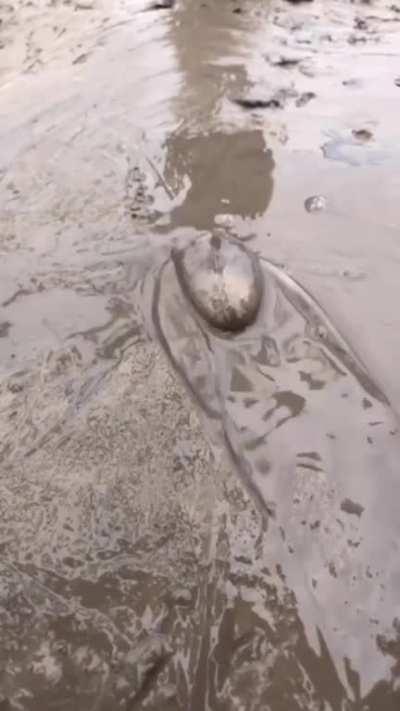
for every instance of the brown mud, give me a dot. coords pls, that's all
(191, 520)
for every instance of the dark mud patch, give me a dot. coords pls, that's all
(277, 101)
(351, 507)
(162, 5)
(362, 134)
(252, 104)
(4, 329)
(284, 61)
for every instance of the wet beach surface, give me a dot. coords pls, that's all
(195, 519)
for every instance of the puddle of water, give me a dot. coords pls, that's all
(224, 173)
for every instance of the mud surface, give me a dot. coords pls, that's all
(191, 520)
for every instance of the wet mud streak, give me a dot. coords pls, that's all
(164, 342)
(333, 341)
(289, 395)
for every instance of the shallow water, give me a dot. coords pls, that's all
(139, 570)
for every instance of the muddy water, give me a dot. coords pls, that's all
(191, 521)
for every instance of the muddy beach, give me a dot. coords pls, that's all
(196, 519)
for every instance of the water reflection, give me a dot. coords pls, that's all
(225, 173)
(211, 47)
(215, 168)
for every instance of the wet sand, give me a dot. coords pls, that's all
(190, 521)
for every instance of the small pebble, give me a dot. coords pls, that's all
(356, 83)
(362, 134)
(305, 98)
(162, 5)
(285, 62)
(315, 203)
(224, 220)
